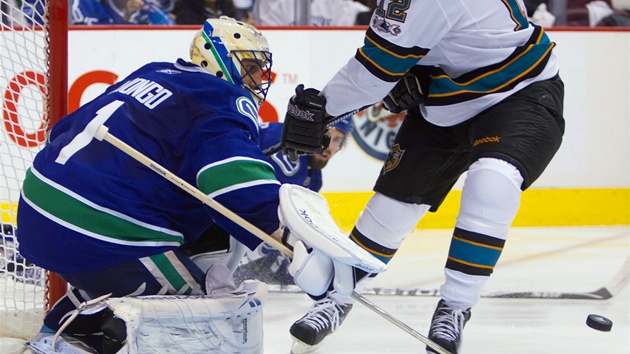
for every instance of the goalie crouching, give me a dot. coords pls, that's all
(114, 228)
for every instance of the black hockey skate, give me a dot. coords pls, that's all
(321, 320)
(447, 326)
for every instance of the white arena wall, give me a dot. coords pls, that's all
(587, 183)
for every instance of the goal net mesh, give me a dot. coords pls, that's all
(25, 103)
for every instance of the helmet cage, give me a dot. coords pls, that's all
(263, 63)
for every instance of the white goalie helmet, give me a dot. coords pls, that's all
(236, 52)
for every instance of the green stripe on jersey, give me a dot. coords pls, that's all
(99, 221)
(233, 172)
(171, 274)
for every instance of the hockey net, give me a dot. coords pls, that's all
(33, 89)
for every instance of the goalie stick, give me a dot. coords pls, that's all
(615, 285)
(103, 134)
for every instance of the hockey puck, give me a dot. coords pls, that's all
(599, 323)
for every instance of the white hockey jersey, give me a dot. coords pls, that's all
(478, 52)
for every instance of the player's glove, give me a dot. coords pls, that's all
(304, 128)
(406, 94)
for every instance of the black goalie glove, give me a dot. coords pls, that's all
(304, 131)
(406, 94)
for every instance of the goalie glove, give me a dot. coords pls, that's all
(406, 94)
(321, 252)
(304, 129)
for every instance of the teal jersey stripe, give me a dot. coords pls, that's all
(233, 172)
(474, 254)
(516, 12)
(386, 60)
(99, 222)
(497, 78)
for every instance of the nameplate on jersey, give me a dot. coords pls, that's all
(147, 92)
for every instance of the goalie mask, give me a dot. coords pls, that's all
(235, 52)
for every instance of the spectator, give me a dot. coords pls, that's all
(595, 13)
(601, 13)
(538, 13)
(33, 11)
(136, 12)
(10, 13)
(89, 12)
(363, 18)
(192, 12)
(322, 12)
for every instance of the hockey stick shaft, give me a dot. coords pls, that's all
(103, 134)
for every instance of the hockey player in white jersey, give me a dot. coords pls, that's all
(483, 95)
(111, 226)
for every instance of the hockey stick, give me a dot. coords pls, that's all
(612, 288)
(103, 134)
(617, 283)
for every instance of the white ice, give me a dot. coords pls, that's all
(567, 259)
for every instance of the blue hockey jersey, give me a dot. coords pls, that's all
(287, 171)
(89, 12)
(85, 204)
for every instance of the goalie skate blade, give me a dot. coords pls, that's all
(300, 347)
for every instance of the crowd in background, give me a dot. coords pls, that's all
(547, 13)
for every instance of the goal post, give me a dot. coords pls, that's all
(33, 96)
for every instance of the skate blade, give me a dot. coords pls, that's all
(300, 347)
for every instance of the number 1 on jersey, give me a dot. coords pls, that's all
(85, 137)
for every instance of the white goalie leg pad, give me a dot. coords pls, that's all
(229, 322)
(307, 215)
(219, 279)
(230, 257)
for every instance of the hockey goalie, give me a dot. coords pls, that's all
(227, 319)
(132, 178)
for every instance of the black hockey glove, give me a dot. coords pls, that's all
(406, 94)
(305, 124)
